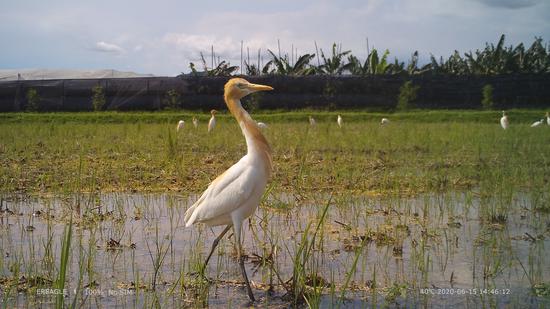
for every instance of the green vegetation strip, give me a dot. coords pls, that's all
(141, 152)
(516, 116)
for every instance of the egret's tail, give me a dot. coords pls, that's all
(190, 216)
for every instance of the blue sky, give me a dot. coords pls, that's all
(162, 37)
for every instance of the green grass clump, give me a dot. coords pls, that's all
(487, 101)
(98, 98)
(407, 95)
(33, 100)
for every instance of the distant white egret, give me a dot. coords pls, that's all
(212, 122)
(312, 121)
(262, 125)
(234, 195)
(547, 118)
(537, 123)
(195, 122)
(504, 123)
(181, 123)
(339, 121)
(384, 121)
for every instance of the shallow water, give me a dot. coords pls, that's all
(430, 250)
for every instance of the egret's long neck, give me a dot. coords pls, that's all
(255, 140)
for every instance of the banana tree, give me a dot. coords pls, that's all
(282, 65)
(222, 69)
(536, 59)
(378, 65)
(335, 64)
(251, 69)
(396, 67)
(412, 67)
(493, 59)
(356, 67)
(373, 65)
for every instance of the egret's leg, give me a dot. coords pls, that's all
(237, 230)
(215, 244)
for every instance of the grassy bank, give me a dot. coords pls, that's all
(58, 152)
(522, 116)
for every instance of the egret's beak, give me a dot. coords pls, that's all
(255, 87)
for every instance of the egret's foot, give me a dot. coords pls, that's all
(245, 277)
(250, 295)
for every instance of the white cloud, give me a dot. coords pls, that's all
(192, 43)
(224, 46)
(108, 48)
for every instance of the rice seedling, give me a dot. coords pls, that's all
(157, 256)
(63, 266)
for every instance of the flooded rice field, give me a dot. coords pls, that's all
(131, 250)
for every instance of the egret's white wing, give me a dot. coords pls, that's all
(225, 194)
(504, 122)
(211, 124)
(181, 123)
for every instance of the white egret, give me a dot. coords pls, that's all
(504, 123)
(384, 121)
(537, 123)
(212, 122)
(548, 118)
(312, 121)
(195, 122)
(234, 195)
(339, 121)
(262, 125)
(181, 123)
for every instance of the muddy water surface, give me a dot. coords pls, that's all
(132, 250)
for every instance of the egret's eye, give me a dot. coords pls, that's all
(241, 85)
